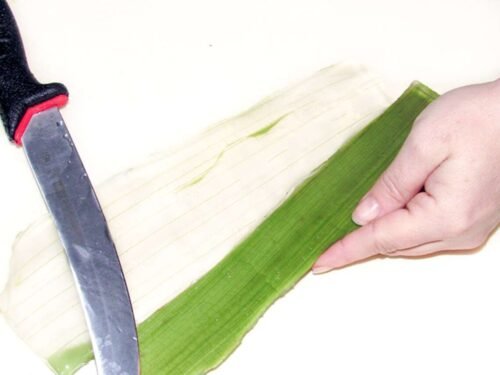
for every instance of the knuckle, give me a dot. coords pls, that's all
(382, 245)
(457, 219)
(459, 225)
(392, 188)
(419, 124)
(474, 242)
(416, 144)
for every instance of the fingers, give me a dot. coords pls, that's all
(417, 251)
(410, 228)
(421, 250)
(404, 178)
(453, 152)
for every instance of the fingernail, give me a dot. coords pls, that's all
(320, 269)
(366, 211)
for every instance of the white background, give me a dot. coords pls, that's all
(146, 74)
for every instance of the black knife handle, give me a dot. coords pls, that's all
(21, 95)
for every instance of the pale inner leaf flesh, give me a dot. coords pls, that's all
(177, 215)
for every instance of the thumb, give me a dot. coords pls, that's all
(405, 229)
(402, 180)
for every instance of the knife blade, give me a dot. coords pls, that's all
(30, 113)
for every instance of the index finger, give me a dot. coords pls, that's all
(402, 229)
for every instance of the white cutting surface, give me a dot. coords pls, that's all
(147, 74)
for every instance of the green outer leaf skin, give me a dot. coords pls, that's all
(197, 330)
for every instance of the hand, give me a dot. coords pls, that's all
(441, 192)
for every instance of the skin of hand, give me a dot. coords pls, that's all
(441, 192)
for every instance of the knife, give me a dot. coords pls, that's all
(30, 114)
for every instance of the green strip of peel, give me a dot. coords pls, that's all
(199, 328)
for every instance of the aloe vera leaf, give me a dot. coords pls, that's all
(204, 324)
